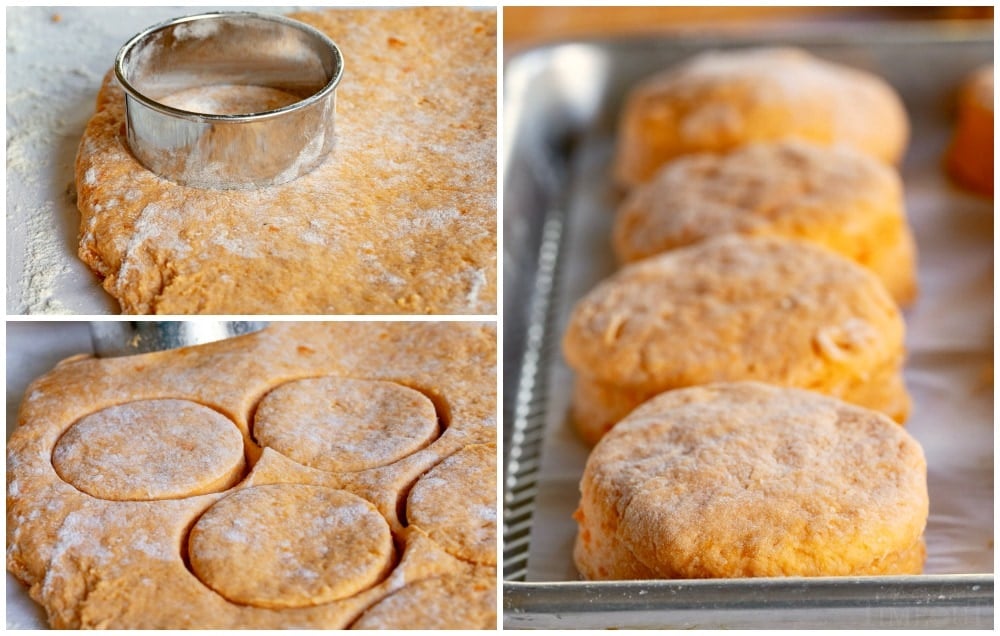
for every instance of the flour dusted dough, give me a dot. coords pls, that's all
(426, 602)
(176, 448)
(401, 218)
(336, 423)
(290, 545)
(462, 521)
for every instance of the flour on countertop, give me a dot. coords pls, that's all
(54, 69)
(50, 92)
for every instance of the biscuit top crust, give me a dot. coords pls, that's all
(789, 188)
(734, 308)
(718, 100)
(759, 480)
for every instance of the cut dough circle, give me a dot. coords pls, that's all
(460, 517)
(345, 425)
(431, 604)
(150, 450)
(290, 545)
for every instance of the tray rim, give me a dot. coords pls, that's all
(679, 603)
(519, 485)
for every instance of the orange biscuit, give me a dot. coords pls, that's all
(719, 100)
(751, 480)
(970, 157)
(735, 308)
(835, 196)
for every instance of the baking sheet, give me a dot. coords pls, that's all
(949, 328)
(56, 60)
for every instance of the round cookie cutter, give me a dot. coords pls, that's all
(117, 338)
(230, 151)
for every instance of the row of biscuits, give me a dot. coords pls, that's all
(741, 374)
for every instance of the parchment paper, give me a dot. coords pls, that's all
(949, 371)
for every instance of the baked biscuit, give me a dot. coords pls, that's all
(834, 196)
(182, 488)
(748, 480)
(970, 157)
(719, 100)
(734, 308)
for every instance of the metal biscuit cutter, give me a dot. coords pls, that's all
(230, 151)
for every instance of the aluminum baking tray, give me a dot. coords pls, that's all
(560, 107)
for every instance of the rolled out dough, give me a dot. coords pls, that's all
(128, 527)
(400, 218)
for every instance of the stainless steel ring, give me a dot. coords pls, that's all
(283, 60)
(114, 338)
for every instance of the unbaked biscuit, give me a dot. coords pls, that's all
(177, 448)
(290, 545)
(428, 603)
(735, 308)
(719, 100)
(464, 522)
(345, 424)
(835, 196)
(970, 157)
(750, 480)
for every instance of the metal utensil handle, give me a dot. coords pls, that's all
(121, 338)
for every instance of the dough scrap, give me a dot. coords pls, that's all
(400, 218)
